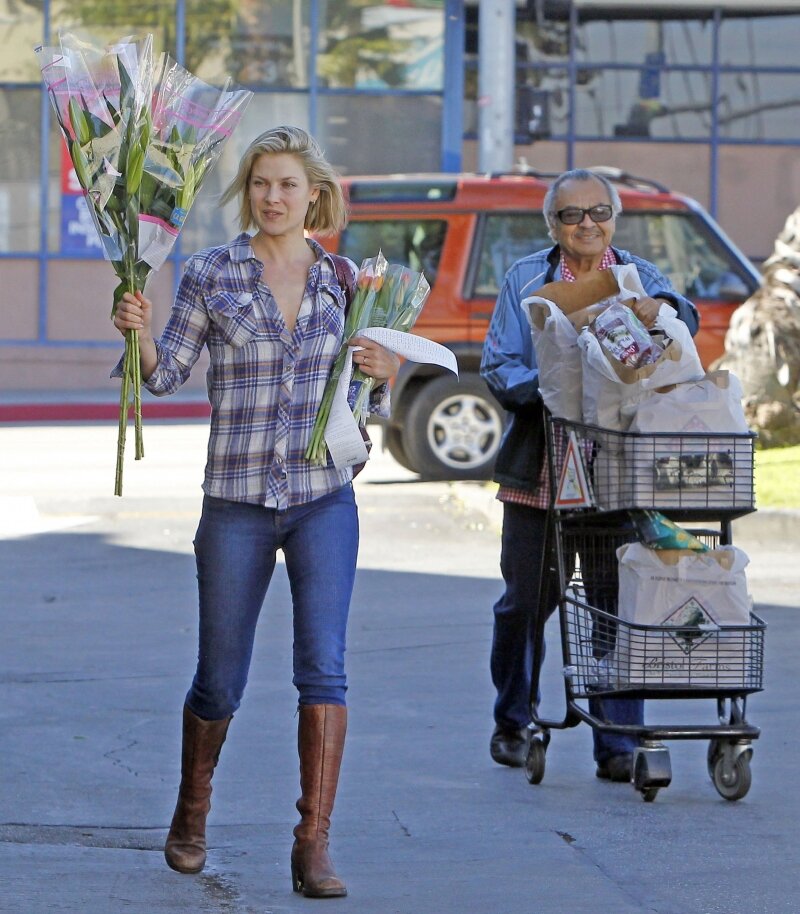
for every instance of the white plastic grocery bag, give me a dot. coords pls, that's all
(708, 464)
(711, 404)
(691, 596)
(558, 358)
(612, 391)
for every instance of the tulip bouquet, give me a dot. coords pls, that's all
(142, 137)
(387, 295)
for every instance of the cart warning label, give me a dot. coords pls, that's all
(573, 486)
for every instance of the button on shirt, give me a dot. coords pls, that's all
(265, 382)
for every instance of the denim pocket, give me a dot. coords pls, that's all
(234, 316)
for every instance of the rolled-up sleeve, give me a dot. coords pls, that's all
(185, 334)
(183, 339)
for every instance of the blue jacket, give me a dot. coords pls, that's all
(509, 363)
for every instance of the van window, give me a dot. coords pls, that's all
(695, 262)
(506, 237)
(676, 243)
(417, 243)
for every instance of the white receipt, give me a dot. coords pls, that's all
(342, 434)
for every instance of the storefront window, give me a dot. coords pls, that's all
(19, 169)
(614, 103)
(651, 43)
(541, 41)
(545, 89)
(21, 30)
(379, 46)
(260, 45)
(759, 106)
(759, 41)
(365, 134)
(110, 20)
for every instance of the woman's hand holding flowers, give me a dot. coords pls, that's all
(134, 312)
(373, 359)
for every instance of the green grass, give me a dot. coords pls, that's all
(777, 477)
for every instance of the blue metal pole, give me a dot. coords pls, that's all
(453, 99)
(180, 32)
(44, 191)
(713, 178)
(313, 94)
(176, 254)
(573, 72)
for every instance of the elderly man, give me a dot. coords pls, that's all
(581, 210)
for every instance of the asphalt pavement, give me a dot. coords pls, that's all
(97, 606)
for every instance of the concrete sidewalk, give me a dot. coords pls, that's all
(98, 611)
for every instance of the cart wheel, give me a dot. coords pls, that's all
(535, 761)
(651, 770)
(713, 755)
(734, 785)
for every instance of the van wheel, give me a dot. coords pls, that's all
(393, 439)
(453, 428)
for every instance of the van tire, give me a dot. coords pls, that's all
(453, 428)
(393, 439)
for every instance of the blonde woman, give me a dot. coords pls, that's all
(270, 308)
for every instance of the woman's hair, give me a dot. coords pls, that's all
(328, 213)
(576, 174)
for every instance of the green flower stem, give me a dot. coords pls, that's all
(317, 451)
(137, 393)
(123, 423)
(362, 400)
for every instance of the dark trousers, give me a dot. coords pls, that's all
(516, 615)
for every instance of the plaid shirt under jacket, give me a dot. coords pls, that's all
(265, 383)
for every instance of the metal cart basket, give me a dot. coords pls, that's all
(599, 480)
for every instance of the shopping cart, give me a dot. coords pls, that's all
(599, 480)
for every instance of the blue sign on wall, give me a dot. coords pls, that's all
(650, 75)
(78, 232)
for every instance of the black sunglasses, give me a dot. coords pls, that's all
(572, 215)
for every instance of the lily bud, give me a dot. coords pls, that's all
(186, 193)
(80, 163)
(80, 127)
(134, 168)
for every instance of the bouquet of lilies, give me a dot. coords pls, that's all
(142, 137)
(387, 295)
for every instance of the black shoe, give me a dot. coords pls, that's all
(509, 747)
(617, 768)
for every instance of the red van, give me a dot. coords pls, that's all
(464, 231)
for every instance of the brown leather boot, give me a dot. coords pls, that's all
(320, 742)
(185, 850)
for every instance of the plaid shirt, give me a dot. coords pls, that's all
(540, 498)
(265, 383)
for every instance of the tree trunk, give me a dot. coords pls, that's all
(762, 346)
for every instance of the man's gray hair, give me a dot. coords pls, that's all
(576, 174)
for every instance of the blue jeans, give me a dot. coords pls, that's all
(516, 615)
(236, 547)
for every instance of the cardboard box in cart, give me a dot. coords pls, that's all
(685, 618)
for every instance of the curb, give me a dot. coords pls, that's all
(776, 528)
(94, 406)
